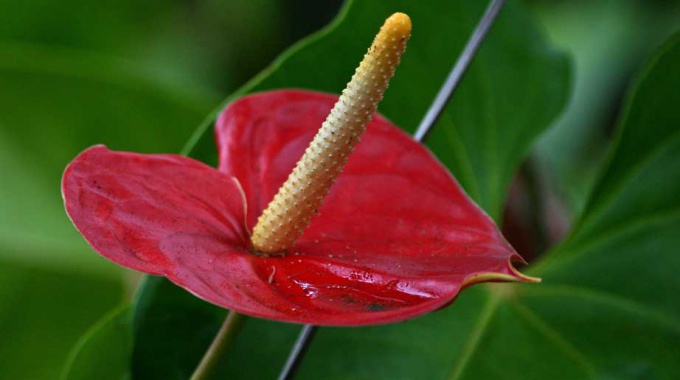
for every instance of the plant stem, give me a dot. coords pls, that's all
(298, 352)
(220, 346)
(458, 70)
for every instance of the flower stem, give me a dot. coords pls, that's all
(209, 365)
(458, 69)
(298, 352)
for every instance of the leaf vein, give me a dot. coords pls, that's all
(475, 338)
(554, 337)
(625, 304)
(558, 258)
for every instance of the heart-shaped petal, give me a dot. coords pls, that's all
(396, 237)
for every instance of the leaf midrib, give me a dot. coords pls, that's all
(555, 338)
(475, 337)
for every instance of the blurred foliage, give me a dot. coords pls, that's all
(213, 44)
(103, 353)
(43, 313)
(141, 75)
(609, 40)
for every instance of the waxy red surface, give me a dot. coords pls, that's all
(396, 238)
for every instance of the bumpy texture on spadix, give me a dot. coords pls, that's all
(301, 195)
(396, 238)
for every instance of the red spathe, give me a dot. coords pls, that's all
(396, 237)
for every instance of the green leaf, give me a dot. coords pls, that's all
(515, 87)
(55, 104)
(104, 352)
(628, 233)
(608, 298)
(43, 313)
(184, 44)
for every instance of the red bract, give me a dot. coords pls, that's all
(396, 238)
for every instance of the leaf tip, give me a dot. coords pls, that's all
(511, 274)
(517, 275)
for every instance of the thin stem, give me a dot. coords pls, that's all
(458, 70)
(219, 347)
(298, 352)
(433, 113)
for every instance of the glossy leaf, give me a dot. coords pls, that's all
(484, 134)
(607, 306)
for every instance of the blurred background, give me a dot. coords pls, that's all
(141, 76)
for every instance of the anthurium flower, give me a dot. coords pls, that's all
(396, 236)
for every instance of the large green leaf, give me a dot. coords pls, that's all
(516, 86)
(607, 306)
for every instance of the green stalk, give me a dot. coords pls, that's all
(220, 346)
